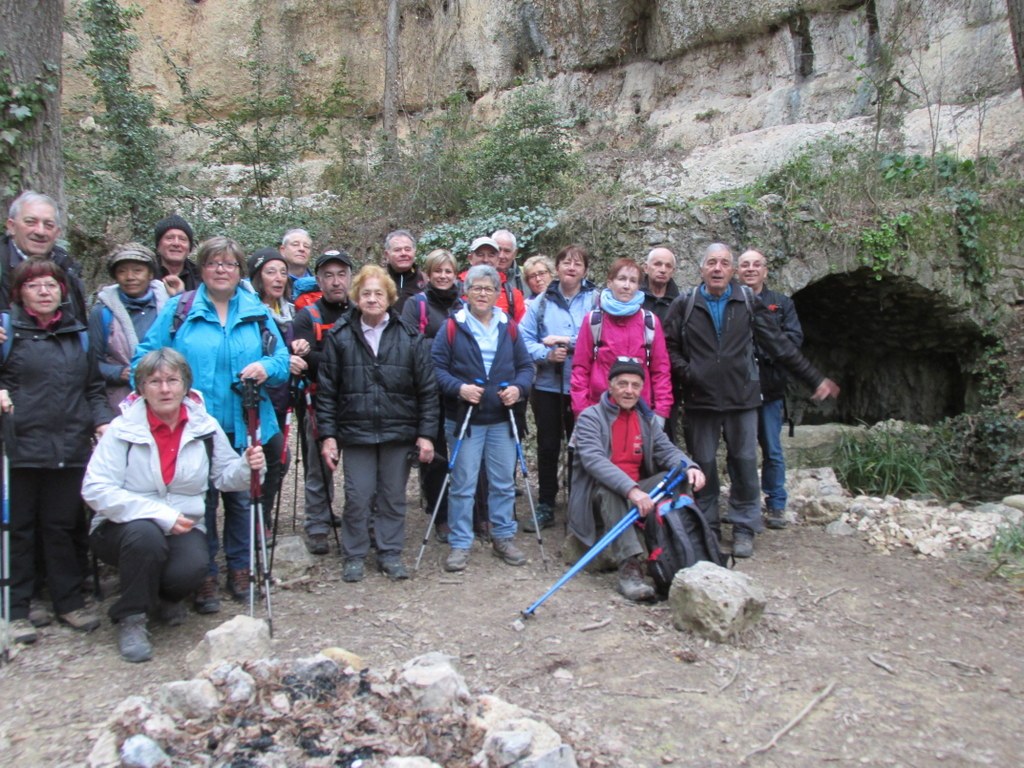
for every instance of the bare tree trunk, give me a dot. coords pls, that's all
(31, 36)
(1015, 8)
(391, 71)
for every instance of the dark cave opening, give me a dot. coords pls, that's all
(897, 349)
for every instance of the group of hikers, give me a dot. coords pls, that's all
(394, 365)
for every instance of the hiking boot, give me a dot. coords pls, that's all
(207, 600)
(81, 619)
(776, 519)
(507, 550)
(238, 584)
(742, 543)
(483, 531)
(393, 568)
(133, 639)
(457, 560)
(39, 615)
(316, 544)
(442, 532)
(545, 518)
(352, 570)
(631, 582)
(23, 632)
(172, 613)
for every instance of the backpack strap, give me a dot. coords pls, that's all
(421, 300)
(5, 351)
(649, 329)
(181, 311)
(596, 316)
(542, 306)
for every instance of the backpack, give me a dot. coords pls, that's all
(184, 306)
(421, 302)
(5, 350)
(678, 536)
(597, 315)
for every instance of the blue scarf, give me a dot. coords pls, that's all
(716, 306)
(617, 308)
(142, 302)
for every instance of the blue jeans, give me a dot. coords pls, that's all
(493, 441)
(773, 460)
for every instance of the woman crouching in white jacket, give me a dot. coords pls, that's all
(147, 481)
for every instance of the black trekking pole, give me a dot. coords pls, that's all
(526, 477)
(328, 477)
(296, 403)
(251, 404)
(444, 486)
(666, 486)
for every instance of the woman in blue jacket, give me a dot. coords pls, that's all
(226, 334)
(482, 361)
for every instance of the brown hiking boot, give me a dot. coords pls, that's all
(238, 584)
(82, 619)
(507, 550)
(207, 600)
(631, 582)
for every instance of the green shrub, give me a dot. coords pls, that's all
(528, 224)
(988, 450)
(1008, 551)
(901, 460)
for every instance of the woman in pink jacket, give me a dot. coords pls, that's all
(621, 327)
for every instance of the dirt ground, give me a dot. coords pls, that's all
(921, 659)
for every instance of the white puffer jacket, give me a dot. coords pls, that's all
(123, 481)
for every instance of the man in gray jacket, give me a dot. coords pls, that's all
(621, 454)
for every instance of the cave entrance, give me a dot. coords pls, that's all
(897, 349)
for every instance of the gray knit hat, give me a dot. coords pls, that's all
(136, 252)
(174, 221)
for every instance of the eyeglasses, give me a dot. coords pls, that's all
(481, 289)
(538, 273)
(172, 382)
(49, 286)
(221, 266)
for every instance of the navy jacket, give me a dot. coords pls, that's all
(460, 362)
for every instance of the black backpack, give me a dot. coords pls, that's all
(678, 536)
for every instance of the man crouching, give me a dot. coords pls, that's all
(621, 453)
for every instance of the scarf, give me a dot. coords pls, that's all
(617, 308)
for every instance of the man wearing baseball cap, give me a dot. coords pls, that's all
(621, 453)
(333, 273)
(485, 250)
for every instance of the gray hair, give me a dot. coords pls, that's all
(715, 248)
(483, 272)
(165, 358)
(29, 196)
(507, 235)
(296, 231)
(398, 233)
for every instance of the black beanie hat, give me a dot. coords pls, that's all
(259, 259)
(625, 365)
(174, 221)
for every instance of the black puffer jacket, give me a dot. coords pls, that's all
(58, 394)
(368, 400)
(75, 299)
(721, 373)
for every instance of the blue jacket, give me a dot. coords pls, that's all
(217, 355)
(552, 315)
(460, 362)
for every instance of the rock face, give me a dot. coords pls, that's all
(715, 602)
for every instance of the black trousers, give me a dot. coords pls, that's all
(151, 564)
(46, 506)
(552, 412)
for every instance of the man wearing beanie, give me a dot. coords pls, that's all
(621, 453)
(174, 242)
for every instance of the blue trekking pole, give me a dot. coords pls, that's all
(444, 486)
(526, 477)
(5, 555)
(666, 486)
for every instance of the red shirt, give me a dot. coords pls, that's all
(627, 443)
(168, 441)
